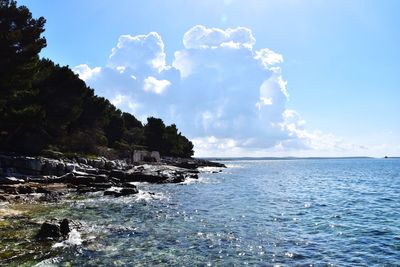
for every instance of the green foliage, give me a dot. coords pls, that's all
(166, 139)
(46, 106)
(20, 44)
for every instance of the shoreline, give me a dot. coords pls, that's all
(48, 179)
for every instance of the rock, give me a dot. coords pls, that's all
(156, 174)
(28, 165)
(25, 190)
(128, 191)
(109, 165)
(66, 178)
(42, 190)
(53, 167)
(52, 154)
(101, 178)
(11, 180)
(191, 163)
(129, 185)
(70, 167)
(54, 229)
(9, 189)
(82, 180)
(105, 172)
(118, 192)
(118, 174)
(49, 230)
(110, 193)
(40, 179)
(82, 161)
(50, 197)
(64, 227)
(97, 163)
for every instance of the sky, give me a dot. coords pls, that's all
(242, 78)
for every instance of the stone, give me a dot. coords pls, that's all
(66, 178)
(118, 174)
(25, 190)
(82, 180)
(128, 191)
(70, 167)
(28, 164)
(64, 227)
(118, 192)
(49, 230)
(82, 161)
(11, 180)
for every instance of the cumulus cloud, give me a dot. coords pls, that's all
(151, 84)
(200, 37)
(224, 94)
(139, 53)
(85, 72)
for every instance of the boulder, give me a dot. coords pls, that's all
(118, 174)
(124, 191)
(128, 191)
(11, 180)
(54, 229)
(49, 230)
(82, 161)
(82, 180)
(25, 189)
(64, 227)
(28, 165)
(66, 178)
(53, 167)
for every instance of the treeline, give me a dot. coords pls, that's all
(45, 106)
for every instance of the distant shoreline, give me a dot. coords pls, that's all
(288, 158)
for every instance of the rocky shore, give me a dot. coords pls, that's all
(48, 179)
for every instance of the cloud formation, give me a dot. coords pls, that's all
(224, 94)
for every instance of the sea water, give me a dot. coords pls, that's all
(300, 212)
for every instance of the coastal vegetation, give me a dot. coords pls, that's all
(46, 107)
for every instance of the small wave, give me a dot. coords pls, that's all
(74, 239)
(236, 166)
(50, 262)
(149, 196)
(200, 180)
(210, 169)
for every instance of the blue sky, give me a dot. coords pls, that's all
(340, 62)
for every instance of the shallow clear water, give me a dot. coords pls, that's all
(340, 212)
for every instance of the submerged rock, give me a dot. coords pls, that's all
(124, 191)
(49, 230)
(54, 229)
(64, 227)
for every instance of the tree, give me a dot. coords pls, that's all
(154, 131)
(44, 105)
(130, 121)
(20, 44)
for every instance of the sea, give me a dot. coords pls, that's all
(270, 212)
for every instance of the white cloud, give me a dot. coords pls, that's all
(85, 72)
(268, 57)
(139, 52)
(200, 37)
(151, 84)
(227, 97)
(125, 102)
